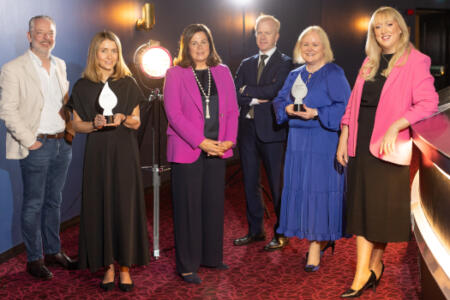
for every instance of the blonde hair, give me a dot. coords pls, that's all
(263, 17)
(373, 49)
(328, 53)
(92, 71)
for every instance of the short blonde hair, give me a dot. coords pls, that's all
(263, 17)
(328, 53)
(373, 49)
(92, 71)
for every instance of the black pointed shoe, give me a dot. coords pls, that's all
(109, 286)
(191, 278)
(371, 282)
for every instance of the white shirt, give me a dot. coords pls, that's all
(51, 121)
(266, 60)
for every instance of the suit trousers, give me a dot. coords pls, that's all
(252, 152)
(198, 194)
(43, 174)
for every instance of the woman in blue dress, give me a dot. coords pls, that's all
(313, 192)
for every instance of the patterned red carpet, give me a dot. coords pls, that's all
(253, 273)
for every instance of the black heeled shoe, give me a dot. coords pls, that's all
(125, 287)
(109, 286)
(330, 244)
(377, 282)
(371, 282)
(192, 278)
(312, 268)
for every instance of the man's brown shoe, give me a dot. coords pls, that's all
(38, 269)
(60, 259)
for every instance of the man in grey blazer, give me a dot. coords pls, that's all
(32, 92)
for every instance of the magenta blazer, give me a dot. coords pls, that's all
(184, 109)
(409, 93)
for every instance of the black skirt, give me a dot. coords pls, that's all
(378, 194)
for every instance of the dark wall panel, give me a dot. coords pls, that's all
(78, 20)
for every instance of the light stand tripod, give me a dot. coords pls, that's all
(155, 99)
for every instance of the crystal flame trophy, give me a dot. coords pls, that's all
(107, 100)
(299, 91)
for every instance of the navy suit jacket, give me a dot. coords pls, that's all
(271, 81)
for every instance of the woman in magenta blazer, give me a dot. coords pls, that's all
(201, 106)
(394, 89)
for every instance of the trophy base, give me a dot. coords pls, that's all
(299, 107)
(109, 119)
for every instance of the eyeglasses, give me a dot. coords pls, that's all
(49, 34)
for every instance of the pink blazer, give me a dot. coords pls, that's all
(184, 109)
(409, 93)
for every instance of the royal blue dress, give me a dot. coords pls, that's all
(313, 192)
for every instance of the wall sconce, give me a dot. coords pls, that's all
(147, 20)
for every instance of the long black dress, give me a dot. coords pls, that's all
(378, 204)
(113, 223)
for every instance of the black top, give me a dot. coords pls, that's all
(85, 94)
(211, 129)
(372, 89)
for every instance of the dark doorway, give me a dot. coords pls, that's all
(433, 39)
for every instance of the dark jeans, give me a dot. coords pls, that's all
(43, 174)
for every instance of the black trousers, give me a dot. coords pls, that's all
(252, 152)
(198, 193)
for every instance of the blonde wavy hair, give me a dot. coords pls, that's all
(328, 53)
(92, 70)
(373, 49)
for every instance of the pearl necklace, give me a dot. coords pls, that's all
(207, 115)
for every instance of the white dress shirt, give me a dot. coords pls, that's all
(269, 53)
(51, 121)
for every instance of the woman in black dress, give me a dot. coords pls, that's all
(394, 89)
(113, 225)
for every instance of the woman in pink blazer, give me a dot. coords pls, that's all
(394, 89)
(201, 106)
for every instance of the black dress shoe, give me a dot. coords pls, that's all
(192, 278)
(126, 287)
(371, 282)
(109, 286)
(60, 259)
(245, 240)
(38, 269)
(277, 243)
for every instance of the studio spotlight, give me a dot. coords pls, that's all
(153, 60)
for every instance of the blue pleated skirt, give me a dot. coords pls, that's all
(313, 192)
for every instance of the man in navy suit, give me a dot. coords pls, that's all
(258, 80)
